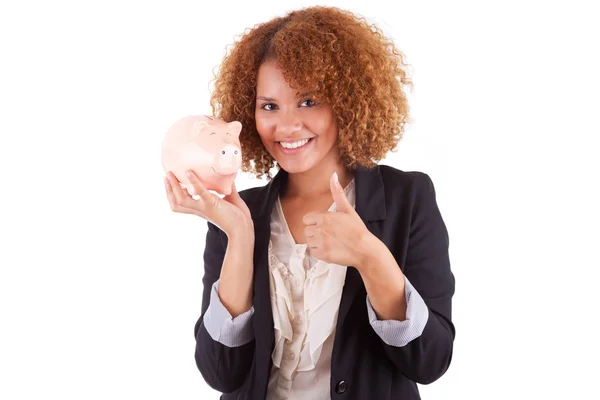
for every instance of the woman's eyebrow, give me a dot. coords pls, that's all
(304, 95)
(265, 98)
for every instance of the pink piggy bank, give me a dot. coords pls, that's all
(207, 145)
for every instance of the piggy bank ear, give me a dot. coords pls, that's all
(198, 126)
(236, 128)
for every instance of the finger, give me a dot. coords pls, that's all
(183, 200)
(314, 244)
(311, 240)
(174, 189)
(175, 206)
(234, 196)
(234, 192)
(316, 253)
(186, 200)
(198, 187)
(178, 208)
(312, 218)
(339, 197)
(178, 192)
(235, 199)
(311, 231)
(169, 190)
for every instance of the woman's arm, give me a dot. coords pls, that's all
(411, 311)
(224, 336)
(235, 281)
(384, 281)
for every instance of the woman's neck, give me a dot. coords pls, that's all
(315, 182)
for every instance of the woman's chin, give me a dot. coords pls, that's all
(292, 167)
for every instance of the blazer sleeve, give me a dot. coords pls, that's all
(427, 266)
(223, 368)
(222, 327)
(400, 333)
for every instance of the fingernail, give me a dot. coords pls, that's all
(188, 174)
(335, 178)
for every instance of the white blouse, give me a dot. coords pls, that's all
(305, 298)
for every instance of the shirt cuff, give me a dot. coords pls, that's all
(222, 328)
(400, 333)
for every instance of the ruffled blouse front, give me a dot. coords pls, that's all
(305, 298)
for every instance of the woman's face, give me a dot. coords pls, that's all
(297, 132)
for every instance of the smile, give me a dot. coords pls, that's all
(294, 145)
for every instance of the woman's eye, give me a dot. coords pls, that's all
(268, 106)
(308, 102)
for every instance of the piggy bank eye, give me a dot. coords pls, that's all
(235, 152)
(222, 151)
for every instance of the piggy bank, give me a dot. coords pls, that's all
(207, 145)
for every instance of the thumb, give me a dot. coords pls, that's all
(342, 204)
(234, 196)
(235, 199)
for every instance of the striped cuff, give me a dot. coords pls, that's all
(400, 333)
(222, 328)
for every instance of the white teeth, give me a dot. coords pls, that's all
(294, 145)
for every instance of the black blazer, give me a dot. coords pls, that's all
(398, 207)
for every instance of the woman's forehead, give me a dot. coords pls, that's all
(272, 83)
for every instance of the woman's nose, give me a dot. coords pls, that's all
(288, 123)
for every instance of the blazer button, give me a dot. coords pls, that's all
(341, 387)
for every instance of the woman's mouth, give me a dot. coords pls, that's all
(295, 147)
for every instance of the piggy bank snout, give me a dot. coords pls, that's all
(229, 159)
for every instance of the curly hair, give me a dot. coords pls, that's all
(347, 62)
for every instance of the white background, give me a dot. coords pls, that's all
(100, 283)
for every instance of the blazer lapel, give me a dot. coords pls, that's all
(263, 313)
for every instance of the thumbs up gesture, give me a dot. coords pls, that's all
(339, 237)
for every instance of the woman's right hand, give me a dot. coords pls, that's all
(230, 213)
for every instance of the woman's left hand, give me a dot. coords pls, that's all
(339, 237)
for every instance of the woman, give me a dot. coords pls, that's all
(333, 280)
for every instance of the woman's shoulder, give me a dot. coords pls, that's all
(398, 178)
(250, 193)
(258, 197)
(254, 197)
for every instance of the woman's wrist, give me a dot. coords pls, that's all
(368, 250)
(243, 233)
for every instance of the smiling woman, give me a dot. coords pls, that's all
(334, 278)
(321, 61)
(297, 131)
